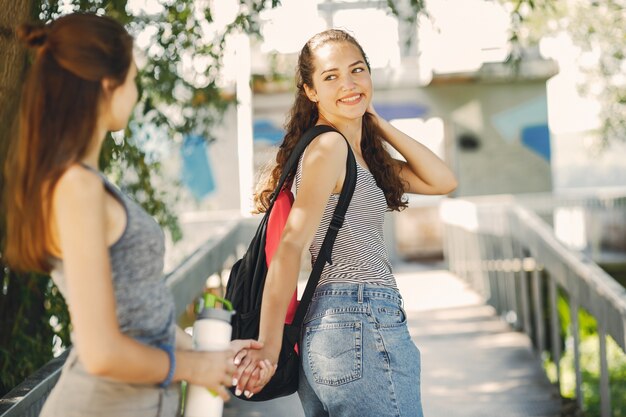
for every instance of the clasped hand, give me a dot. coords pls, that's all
(217, 370)
(254, 370)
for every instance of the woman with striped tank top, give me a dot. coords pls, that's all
(357, 356)
(104, 252)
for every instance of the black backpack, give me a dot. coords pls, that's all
(247, 277)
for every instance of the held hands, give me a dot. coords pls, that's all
(216, 370)
(254, 370)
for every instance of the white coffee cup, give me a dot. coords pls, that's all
(211, 332)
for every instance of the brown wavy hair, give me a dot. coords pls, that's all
(57, 120)
(304, 114)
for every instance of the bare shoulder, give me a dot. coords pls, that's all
(78, 183)
(329, 141)
(327, 148)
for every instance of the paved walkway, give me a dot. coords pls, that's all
(473, 364)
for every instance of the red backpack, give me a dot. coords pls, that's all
(275, 226)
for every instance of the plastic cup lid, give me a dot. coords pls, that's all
(216, 314)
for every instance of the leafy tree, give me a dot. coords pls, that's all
(596, 27)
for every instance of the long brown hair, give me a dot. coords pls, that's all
(304, 114)
(57, 120)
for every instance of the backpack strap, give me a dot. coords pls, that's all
(292, 162)
(336, 222)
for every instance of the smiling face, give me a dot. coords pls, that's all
(342, 84)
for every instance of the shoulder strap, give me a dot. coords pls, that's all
(336, 222)
(108, 186)
(294, 158)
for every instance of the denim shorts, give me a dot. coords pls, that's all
(357, 356)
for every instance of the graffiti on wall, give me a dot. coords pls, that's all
(528, 124)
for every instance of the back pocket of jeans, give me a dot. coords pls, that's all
(388, 315)
(334, 352)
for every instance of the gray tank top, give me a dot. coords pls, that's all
(144, 304)
(359, 254)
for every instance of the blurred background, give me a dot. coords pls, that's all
(524, 99)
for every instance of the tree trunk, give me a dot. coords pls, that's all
(12, 64)
(21, 297)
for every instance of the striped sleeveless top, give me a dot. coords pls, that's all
(143, 302)
(359, 255)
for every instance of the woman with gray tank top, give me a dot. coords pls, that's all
(103, 251)
(357, 357)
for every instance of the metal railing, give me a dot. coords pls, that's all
(187, 281)
(511, 256)
(600, 215)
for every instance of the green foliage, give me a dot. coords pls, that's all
(26, 303)
(590, 363)
(120, 158)
(417, 7)
(408, 12)
(520, 12)
(596, 27)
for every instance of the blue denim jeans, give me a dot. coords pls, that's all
(357, 356)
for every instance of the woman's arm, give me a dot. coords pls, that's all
(323, 170)
(79, 214)
(424, 172)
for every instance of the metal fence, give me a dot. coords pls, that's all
(513, 259)
(186, 282)
(599, 214)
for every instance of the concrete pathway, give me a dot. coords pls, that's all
(473, 364)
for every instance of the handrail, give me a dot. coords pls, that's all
(509, 254)
(26, 400)
(598, 293)
(186, 282)
(189, 277)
